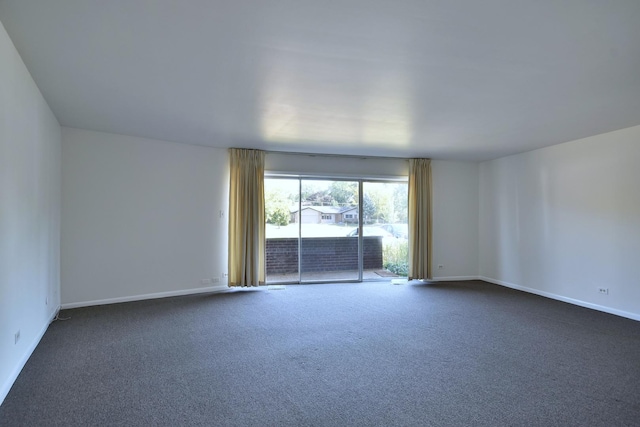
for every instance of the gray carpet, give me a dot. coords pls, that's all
(370, 354)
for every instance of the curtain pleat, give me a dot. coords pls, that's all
(420, 219)
(246, 218)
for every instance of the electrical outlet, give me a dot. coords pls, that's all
(604, 291)
(215, 280)
(205, 281)
(17, 337)
(224, 275)
(440, 266)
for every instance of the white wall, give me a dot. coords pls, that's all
(29, 214)
(455, 201)
(455, 220)
(336, 166)
(140, 217)
(564, 221)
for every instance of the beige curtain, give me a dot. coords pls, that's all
(246, 218)
(419, 219)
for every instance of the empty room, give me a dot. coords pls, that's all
(273, 212)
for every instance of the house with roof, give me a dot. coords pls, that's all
(324, 214)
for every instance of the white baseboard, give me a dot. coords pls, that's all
(629, 315)
(219, 288)
(6, 387)
(453, 278)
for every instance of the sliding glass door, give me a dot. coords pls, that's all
(328, 216)
(327, 230)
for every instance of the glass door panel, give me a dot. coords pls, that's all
(282, 247)
(328, 218)
(385, 244)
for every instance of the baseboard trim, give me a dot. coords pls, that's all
(182, 292)
(621, 313)
(454, 278)
(6, 387)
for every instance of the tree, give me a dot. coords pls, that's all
(400, 201)
(368, 209)
(319, 198)
(312, 193)
(344, 193)
(276, 208)
(279, 216)
(378, 204)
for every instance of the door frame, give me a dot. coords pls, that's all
(360, 181)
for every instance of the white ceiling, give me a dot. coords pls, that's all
(447, 79)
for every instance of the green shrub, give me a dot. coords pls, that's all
(395, 256)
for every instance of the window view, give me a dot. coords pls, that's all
(327, 254)
(282, 229)
(384, 211)
(313, 230)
